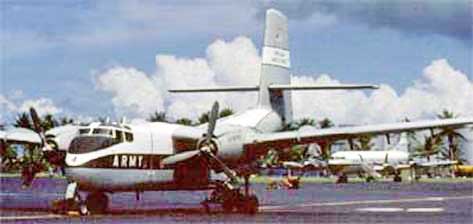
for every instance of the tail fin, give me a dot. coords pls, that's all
(403, 144)
(275, 65)
(275, 79)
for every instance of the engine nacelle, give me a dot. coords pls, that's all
(230, 144)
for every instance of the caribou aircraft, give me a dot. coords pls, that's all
(218, 156)
(378, 163)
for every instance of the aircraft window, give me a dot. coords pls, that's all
(85, 144)
(102, 131)
(84, 131)
(128, 137)
(119, 136)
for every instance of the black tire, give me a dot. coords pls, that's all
(252, 205)
(397, 179)
(228, 205)
(97, 203)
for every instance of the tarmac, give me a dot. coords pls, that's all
(379, 202)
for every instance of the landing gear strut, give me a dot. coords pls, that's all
(342, 179)
(233, 200)
(397, 178)
(97, 202)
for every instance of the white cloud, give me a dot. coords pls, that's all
(10, 106)
(134, 93)
(441, 87)
(237, 62)
(226, 63)
(42, 105)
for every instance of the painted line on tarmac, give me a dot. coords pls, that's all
(387, 209)
(276, 207)
(425, 210)
(32, 194)
(30, 217)
(380, 209)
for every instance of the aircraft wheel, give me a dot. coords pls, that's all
(97, 202)
(249, 205)
(228, 205)
(369, 179)
(397, 179)
(342, 179)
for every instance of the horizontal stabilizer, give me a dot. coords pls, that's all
(215, 89)
(321, 87)
(273, 87)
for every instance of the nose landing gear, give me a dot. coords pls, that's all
(95, 202)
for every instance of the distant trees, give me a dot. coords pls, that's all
(452, 135)
(157, 116)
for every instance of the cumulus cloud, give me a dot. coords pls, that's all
(134, 93)
(236, 62)
(440, 87)
(10, 106)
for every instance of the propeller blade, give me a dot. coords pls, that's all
(361, 158)
(36, 120)
(230, 173)
(212, 121)
(179, 157)
(37, 126)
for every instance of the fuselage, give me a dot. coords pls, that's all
(127, 157)
(349, 162)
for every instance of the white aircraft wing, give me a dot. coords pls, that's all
(437, 163)
(20, 135)
(286, 139)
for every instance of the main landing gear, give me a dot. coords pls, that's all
(397, 178)
(342, 179)
(95, 202)
(232, 199)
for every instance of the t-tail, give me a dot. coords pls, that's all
(275, 77)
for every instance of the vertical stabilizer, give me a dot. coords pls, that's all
(403, 144)
(275, 65)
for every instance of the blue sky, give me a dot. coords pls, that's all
(55, 49)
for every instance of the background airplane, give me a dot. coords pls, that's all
(155, 156)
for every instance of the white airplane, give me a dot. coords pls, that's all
(157, 156)
(376, 164)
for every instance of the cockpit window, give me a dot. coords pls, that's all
(102, 131)
(128, 137)
(84, 131)
(85, 144)
(119, 136)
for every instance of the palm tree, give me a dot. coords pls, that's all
(204, 117)
(326, 123)
(157, 117)
(364, 143)
(184, 121)
(23, 121)
(66, 120)
(48, 122)
(226, 112)
(452, 135)
(432, 145)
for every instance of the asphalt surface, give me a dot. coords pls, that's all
(381, 202)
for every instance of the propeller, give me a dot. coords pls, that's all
(368, 168)
(49, 150)
(206, 148)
